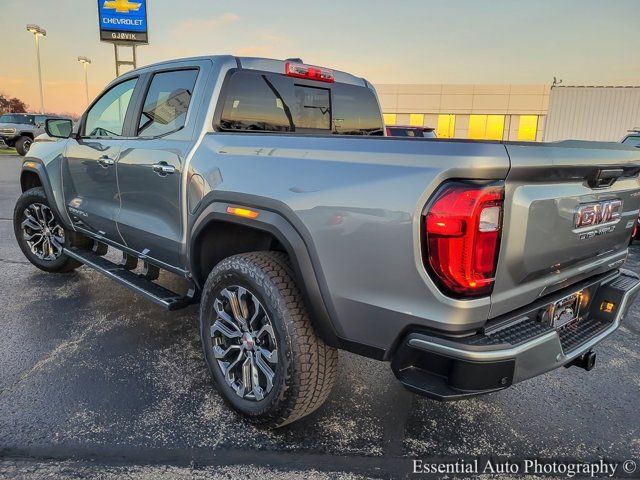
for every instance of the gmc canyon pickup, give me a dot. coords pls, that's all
(269, 187)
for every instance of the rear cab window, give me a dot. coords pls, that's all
(267, 102)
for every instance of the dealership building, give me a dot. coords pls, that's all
(514, 112)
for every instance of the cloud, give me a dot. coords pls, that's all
(203, 25)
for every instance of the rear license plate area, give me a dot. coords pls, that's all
(565, 310)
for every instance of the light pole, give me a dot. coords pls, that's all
(37, 33)
(85, 64)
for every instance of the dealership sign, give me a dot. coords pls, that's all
(123, 21)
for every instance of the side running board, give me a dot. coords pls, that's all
(138, 283)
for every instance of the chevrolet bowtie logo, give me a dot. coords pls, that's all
(122, 6)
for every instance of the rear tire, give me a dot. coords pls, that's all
(23, 144)
(40, 233)
(304, 367)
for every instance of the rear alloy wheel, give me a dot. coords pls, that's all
(262, 351)
(244, 343)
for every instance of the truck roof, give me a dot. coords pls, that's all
(257, 63)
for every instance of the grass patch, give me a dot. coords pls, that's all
(8, 151)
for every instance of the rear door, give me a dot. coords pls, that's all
(89, 166)
(150, 165)
(562, 221)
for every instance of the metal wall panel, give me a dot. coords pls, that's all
(592, 113)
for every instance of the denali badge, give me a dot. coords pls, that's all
(594, 214)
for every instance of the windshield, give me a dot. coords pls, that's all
(14, 118)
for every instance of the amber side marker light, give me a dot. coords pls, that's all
(243, 212)
(607, 307)
(30, 164)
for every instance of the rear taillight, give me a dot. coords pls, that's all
(300, 70)
(462, 226)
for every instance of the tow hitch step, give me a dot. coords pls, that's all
(138, 283)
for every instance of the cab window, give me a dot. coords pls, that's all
(167, 103)
(106, 117)
(268, 102)
(632, 141)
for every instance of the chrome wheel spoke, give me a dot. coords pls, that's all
(244, 343)
(269, 356)
(266, 370)
(222, 315)
(56, 243)
(246, 376)
(235, 307)
(30, 238)
(268, 329)
(221, 353)
(218, 326)
(258, 393)
(257, 310)
(31, 223)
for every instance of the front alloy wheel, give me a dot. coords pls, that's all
(244, 343)
(42, 232)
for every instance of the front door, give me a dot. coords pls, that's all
(89, 166)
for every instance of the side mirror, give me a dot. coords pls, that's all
(58, 127)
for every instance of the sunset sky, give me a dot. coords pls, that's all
(584, 42)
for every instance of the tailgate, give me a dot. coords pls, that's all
(544, 248)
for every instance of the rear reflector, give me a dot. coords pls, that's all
(462, 227)
(300, 70)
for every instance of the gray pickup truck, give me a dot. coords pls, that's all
(270, 189)
(19, 130)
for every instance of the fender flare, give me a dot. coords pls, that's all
(35, 166)
(271, 220)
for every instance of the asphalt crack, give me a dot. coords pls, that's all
(14, 262)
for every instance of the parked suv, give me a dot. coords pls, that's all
(269, 187)
(18, 130)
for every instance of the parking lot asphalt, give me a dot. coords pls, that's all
(95, 379)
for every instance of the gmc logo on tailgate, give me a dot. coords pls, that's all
(594, 214)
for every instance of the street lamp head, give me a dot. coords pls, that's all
(36, 29)
(84, 60)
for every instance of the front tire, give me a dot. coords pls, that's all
(23, 144)
(40, 234)
(265, 358)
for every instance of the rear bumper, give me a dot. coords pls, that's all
(514, 349)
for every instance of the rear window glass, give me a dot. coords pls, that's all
(252, 105)
(276, 103)
(311, 108)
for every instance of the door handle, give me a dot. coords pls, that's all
(106, 162)
(163, 169)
